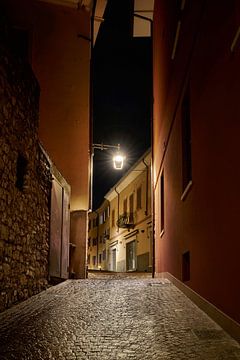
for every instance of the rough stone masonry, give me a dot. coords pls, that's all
(25, 184)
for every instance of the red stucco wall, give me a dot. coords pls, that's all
(206, 221)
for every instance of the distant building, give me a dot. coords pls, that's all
(196, 58)
(98, 234)
(129, 247)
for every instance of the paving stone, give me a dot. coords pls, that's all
(112, 317)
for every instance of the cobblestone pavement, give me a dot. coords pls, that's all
(107, 317)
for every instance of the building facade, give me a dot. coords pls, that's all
(129, 247)
(196, 53)
(98, 234)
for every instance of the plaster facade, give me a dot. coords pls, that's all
(196, 52)
(129, 247)
(98, 236)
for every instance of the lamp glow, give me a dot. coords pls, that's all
(118, 161)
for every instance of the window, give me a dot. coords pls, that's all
(186, 143)
(162, 202)
(100, 258)
(21, 171)
(88, 259)
(131, 208)
(89, 225)
(89, 242)
(104, 255)
(94, 242)
(125, 206)
(139, 198)
(113, 218)
(101, 218)
(94, 260)
(106, 213)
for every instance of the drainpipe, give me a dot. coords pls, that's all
(147, 172)
(152, 139)
(118, 194)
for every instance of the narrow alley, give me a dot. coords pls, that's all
(112, 317)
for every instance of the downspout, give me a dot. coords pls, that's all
(147, 173)
(118, 194)
(152, 153)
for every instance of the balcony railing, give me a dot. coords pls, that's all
(126, 220)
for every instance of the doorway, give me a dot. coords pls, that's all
(59, 231)
(131, 256)
(114, 260)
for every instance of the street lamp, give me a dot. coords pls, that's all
(118, 158)
(118, 162)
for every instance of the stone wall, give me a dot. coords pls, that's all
(25, 185)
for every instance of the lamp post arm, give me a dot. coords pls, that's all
(105, 146)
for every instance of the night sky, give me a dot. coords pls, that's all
(121, 95)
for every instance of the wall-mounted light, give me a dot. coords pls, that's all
(118, 163)
(118, 158)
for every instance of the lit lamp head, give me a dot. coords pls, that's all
(118, 160)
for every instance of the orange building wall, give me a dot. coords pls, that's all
(61, 60)
(60, 57)
(206, 221)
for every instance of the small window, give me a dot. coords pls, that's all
(162, 219)
(186, 266)
(101, 219)
(113, 218)
(105, 214)
(139, 198)
(21, 171)
(104, 255)
(131, 202)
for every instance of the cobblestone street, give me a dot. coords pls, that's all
(111, 317)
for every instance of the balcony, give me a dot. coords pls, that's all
(126, 220)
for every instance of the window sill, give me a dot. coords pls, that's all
(187, 189)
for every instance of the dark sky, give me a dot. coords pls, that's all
(121, 95)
